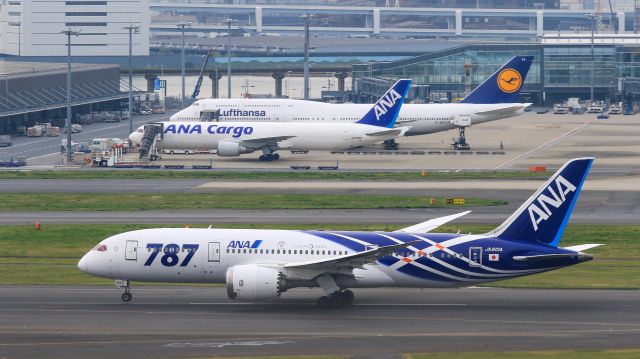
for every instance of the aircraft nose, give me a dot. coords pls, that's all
(134, 137)
(82, 264)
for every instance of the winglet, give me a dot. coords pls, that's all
(385, 111)
(504, 85)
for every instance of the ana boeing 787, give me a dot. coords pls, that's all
(260, 265)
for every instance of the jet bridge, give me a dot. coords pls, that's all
(149, 137)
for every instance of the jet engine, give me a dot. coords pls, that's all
(252, 282)
(231, 149)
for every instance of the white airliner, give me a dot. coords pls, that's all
(234, 138)
(495, 99)
(262, 264)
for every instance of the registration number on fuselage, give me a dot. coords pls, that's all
(170, 252)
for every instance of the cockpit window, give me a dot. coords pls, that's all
(101, 248)
(140, 130)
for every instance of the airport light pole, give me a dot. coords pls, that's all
(306, 57)
(183, 25)
(229, 21)
(132, 29)
(68, 33)
(592, 18)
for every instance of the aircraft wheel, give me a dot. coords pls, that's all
(338, 300)
(262, 158)
(324, 302)
(276, 156)
(348, 296)
(126, 297)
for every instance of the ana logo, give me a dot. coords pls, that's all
(541, 212)
(509, 80)
(244, 244)
(386, 102)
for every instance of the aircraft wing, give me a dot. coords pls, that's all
(431, 224)
(341, 264)
(504, 110)
(257, 143)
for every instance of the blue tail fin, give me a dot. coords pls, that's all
(504, 85)
(543, 217)
(385, 112)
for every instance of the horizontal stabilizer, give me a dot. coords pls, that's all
(582, 257)
(504, 111)
(431, 224)
(582, 247)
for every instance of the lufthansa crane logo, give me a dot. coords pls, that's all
(509, 80)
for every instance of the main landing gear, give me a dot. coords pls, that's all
(335, 297)
(126, 296)
(390, 145)
(268, 154)
(269, 157)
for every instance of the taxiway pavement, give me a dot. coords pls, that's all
(81, 322)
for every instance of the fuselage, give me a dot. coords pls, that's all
(293, 136)
(422, 118)
(191, 255)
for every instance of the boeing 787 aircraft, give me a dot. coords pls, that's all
(260, 265)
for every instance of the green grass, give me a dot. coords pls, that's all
(265, 175)
(192, 201)
(50, 255)
(542, 354)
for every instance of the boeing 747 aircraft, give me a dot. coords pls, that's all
(260, 265)
(236, 138)
(495, 99)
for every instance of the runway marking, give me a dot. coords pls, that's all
(253, 315)
(224, 344)
(542, 334)
(544, 145)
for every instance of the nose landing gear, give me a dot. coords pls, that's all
(126, 296)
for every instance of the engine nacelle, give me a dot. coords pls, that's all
(252, 282)
(231, 149)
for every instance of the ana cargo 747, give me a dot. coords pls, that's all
(260, 265)
(237, 137)
(495, 99)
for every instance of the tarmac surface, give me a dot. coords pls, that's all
(81, 322)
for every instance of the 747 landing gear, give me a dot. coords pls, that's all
(126, 296)
(390, 145)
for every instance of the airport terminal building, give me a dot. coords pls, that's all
(561, 68)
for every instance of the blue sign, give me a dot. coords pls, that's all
(156, 84)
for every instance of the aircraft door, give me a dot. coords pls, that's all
(214, 251)
(475, 256)
(131, 251)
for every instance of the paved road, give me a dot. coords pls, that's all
(593, 207)
(32, 148)
(81, 322)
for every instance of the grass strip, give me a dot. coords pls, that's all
(546, 354)
(267, 175)
(193, 201)
(50, 255)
